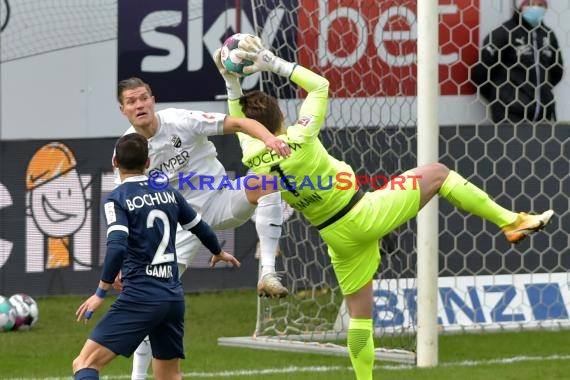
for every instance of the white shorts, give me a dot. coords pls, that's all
(227, 208)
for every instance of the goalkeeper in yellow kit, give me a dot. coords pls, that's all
(350, 221)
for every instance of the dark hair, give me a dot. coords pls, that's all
(130, 84)
(131, 152)
(264, 108)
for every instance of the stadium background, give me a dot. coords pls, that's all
(59, 66)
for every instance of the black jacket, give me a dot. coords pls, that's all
(517, 70)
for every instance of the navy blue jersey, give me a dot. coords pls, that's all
(141, 232)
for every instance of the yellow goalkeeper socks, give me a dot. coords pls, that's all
(464, 195)
(361, 347)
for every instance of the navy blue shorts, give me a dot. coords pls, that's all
(127, 323)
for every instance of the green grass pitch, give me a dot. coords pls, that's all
(48, 349)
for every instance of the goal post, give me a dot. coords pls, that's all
(428, 229)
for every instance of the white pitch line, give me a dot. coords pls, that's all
(472, 363)
(273, 371)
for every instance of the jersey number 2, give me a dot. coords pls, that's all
(159, 256)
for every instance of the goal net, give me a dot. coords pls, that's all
(367, 50)
(369, 125)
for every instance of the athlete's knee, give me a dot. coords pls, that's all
(431, 175)
(173, 375)
(436, 169)
(441, 172)
(166, 370)
(81, 362)
(170, 376)
(76, 365)
(259, 186)
(441, 169)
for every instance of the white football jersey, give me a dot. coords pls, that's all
(181, 150)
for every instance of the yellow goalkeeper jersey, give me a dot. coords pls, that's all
(311, 181)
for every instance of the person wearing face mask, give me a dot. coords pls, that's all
(520, 63)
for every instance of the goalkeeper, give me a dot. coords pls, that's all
(350, 221)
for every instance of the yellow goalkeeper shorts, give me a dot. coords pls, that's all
(353, 240)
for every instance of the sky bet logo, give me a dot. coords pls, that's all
(169, 43)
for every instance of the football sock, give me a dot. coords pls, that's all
(268, 221)
(86, 374)
(141, 360)
(361, 347)
(464, 195)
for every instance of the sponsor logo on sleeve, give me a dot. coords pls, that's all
(305, 120)
(110, 213)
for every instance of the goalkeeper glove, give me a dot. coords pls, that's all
(233, 86)
(252, 49)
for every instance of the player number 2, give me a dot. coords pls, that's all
(159, 256)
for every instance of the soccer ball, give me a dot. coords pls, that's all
(7, 315)
(228, 57)
(27, 312)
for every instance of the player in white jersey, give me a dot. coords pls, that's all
(181, 155)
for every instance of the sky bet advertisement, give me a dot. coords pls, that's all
(170, 43)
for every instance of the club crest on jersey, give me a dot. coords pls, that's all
(305, 120)
(175, 141)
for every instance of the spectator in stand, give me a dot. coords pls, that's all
(519, 65)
